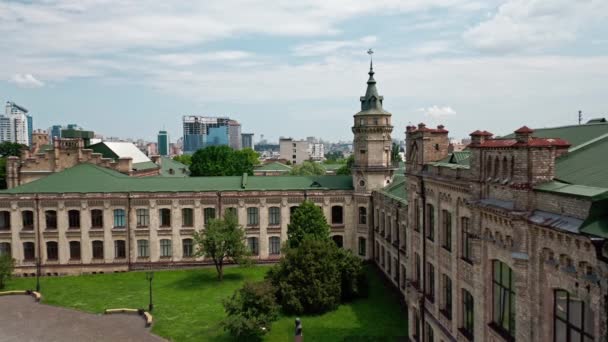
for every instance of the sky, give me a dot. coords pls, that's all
(130, 68)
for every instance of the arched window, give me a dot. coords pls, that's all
(52, 252)
(253, 245)
(120, 249)
(362, 247)
(165, 248)
(274, 247)
(27, 218)
(337, 214)
(187, 248)
(5, 220)
(29, 251)
(165, 217)
(74, 219)
(496, 167)
(5, 249)
(362, 215)
(119, 218)
(505, 168)
(50, 217)
(97, 249)
(74, 250)
(143, 250)
(338, 240)
(503, 308)
(572, 317)
(96, 218)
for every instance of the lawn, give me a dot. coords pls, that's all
(187, 304)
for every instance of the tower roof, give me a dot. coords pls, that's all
(371, 103)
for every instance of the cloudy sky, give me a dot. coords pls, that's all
(297, 68)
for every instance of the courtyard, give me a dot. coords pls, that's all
(188, 305)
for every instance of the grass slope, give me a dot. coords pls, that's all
(187, 304)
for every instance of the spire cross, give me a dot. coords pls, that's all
(370, 52)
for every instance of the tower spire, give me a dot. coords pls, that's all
(371, 100)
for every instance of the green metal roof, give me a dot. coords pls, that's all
(168, 164)
(575, 135)
(397, 189)
(460, 157)
(274, 166)
(144, 166)
(586, 164)
(89, 178)
(593, 193)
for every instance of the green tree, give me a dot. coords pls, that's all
(223, 161)
(7, 264)
(8, 148)
(307, 221)
(3, 173)
(395, 157)
(251, 311)
(334, 157)
(347, 168)
(222, 240)
(185, 159)
(307, 279)
(353, 279)
(308, 168)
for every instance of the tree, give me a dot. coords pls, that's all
(308, 168)
(7, 264)
(8, 148)
(250, 311)
(395, 157)
(185, 159)
(3, 173)
(223, 240)
(307, 221)
(223, 161)
(307, 279)
(353, 281)
(334, 157)
(347, 168)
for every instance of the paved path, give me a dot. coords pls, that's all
(24, 320)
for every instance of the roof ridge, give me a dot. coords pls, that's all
(587, 143)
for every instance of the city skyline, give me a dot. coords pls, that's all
(441, 62)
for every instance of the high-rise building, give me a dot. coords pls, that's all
(247, 140)
(234, 134)
(163, 143)
(16, 124)
(202, 131)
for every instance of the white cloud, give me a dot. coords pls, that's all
(26, 81)
(524, 25)
(186, 59)
(325, 48)
(438, 111)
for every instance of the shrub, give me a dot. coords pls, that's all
(353, 279)
(307, 221)
(7, 264)
(251, 310)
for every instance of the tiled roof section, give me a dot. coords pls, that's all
(88, 178)
(397, 189)
(274, 166)
(481, 133)
(524, 130)
(535, 142)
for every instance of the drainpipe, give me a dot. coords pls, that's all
(398, 271)
(38, 231)
(129, 231)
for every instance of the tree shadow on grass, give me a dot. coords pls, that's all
(194, 280)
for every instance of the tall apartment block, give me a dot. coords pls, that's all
(163, 143)
(247, 140)
(202, 131)
(16, 124)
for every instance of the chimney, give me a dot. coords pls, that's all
(523, 134)
(125, 165)
(156, 159)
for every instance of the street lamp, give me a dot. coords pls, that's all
(149, 278)
(38, 274)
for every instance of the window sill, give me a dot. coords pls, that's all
(447, 249)
(501, 332)
(468, 261)
(96, 227)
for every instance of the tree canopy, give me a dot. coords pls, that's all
(395, 157)
(8, 148)
(347, 168)
(222, 240)
(7, 264)
(223, 161)
(185, 159)
(308, 168)
(307, 221)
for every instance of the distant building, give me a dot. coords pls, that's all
(16, 124)
(234, 134)
(70, 131)
(163, 143)
(295, 151)
(40, 141)
(247, 140)
(316, 151)
(201, 131)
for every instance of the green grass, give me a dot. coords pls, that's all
(187, 304)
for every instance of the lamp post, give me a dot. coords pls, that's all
(149, 278)
(38, 274)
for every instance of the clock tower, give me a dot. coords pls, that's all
(373, 168)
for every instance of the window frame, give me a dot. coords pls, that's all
(73, 219)
(142, 217)
(5, 220)
(98, 250)
(29, 247)
(166, 248)
(467, 248)
(506, 320)
(143, 245)
(468, 318)
(570, 326)
(50, 219)
(430, 282)
(187, 217)
(253, 216)
(447, 294)
(274, 216)
(120, 249)
(362, 215)
(75, 250)
(274, 245)
(119, 218)
(208, 215)
(446, 219)
(164, 218)
(430, 229)
(362, 242)
(6, 249)
(187, 248)
(27, 220)
(253, 245)
(52, 246)
(96, 218)
(335, 220)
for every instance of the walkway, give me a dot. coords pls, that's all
(22, 319)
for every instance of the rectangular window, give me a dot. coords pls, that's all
(119, 218)
(447, 229)
(165, 217)
(362, 215)
(96, 218)
(274, 216)
(362, 246)
(165, 248)
(252, 244)
(253, 217)
(74, 219)
(143, 218)
(417, 278)
(188, 248)
(142, 249)
(29, 251)
(467, 249)
(572, 317)
(467, 314)
(337, 214)
(52, 251)
(97, 249)
(430, 282)
(5, 220)
(120, 250)
(503, 308)
(27, 219)
(187, 217)
(50, 217)
(430, 226)
(447, 296)
(208, 214)
(74, 250)
(275, 245)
